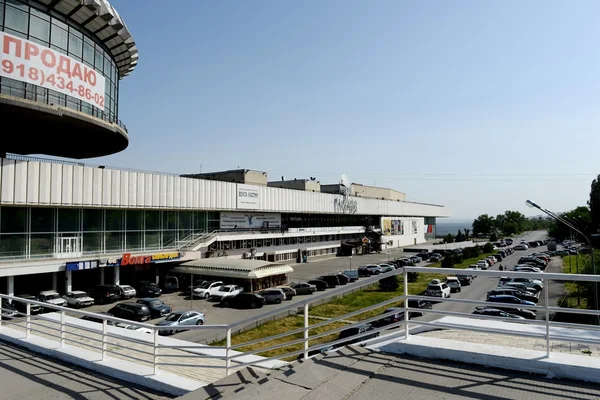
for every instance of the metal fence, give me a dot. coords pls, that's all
(149, 349)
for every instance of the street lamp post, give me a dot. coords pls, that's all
(554, 216)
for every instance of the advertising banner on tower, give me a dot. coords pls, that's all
(29, 62)
(248, 197)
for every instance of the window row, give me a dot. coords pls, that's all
(278, 241)
(50, 220)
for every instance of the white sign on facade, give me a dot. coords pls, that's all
(238, 220)
(248, 197)
(29, 62)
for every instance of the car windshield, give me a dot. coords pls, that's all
(52, 296)
(79, 295)
(126, 287)
(433, 287)
(155, 303)
(205, 285)
(173, 317)
(151, 285)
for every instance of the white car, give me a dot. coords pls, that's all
(207, 289)
(133, 328)
(535, 284)
(483, 264)
(491, 259)
(227, 291)
(78, 299)
(438, 289)
(127, 292)
(453, 283)
(526, 268)
(52, 297)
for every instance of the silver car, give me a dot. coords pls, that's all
(273, 295)
(179, 320)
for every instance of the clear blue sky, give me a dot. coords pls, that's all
(477, 105)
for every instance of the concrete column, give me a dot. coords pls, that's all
(157, 271)
(102, 276)
(55, 281)
(117, 275)
(68, 281)
(10, 285)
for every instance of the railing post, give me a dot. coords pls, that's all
(62, 329)
(103, 339)
(546, 289)
(155, 363)
(1, 310)
(28, 326)
(228, 346)
(306, 331)
(406, 312)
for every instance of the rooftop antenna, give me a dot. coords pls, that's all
(201, 167)
(344, 184)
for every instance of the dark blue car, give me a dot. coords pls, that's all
(157, 307)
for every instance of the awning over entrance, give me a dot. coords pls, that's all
(233, 268)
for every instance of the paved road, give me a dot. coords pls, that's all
(481, 285)
(28, 376)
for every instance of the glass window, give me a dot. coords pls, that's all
(106, 66)
(88, 52)
(13, 245)
(134, 220)
(42, 244)
(60, 24)
(42, 219)
(39, 28)
(152, 240)
(185, 220)
(39, 14)
(68, 220)
(169, 219)
(16, 19)
(17, 4)
(1, 21)
(133, 241)
(59, 37)
(99, 65)
(92, 242)
(75, 45)
(114, 220)
(114, 241)
(92, 220)
(13, 220)
(152, 220)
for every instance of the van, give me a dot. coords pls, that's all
(351, 273)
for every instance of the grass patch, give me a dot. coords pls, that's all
(575, 297)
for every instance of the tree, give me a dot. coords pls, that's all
(594, 204)
(493, 237)
(389, 284)
(580, 218)
(467, 232)
(448, 261)
(448, 238)
(459, 236)
(488, 247)
(483, 225)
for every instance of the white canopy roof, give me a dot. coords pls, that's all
(233, 268)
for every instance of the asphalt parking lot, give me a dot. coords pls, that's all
(217, 315)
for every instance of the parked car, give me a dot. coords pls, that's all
(226, 291)
(514, 292)
(148, 289)
(157, 307)
(207, 289)
(330, 280)
(437, 289)
(387, 268)
(288, 291)
(133, 328)
(8, 310)
(527, 314)
(319, 284)
(243, 300)
(103, 294)
(352, 274)
(491, 260)
(356, 330)
(397, 316)
(520, 247)
(435, 257)
(423, 256)
(273, 296)
(51, 297)
(503, 280)
(416, 303)
(127, 292)
(303, 288)
(494, 312)
(416, 259)
(96, 318)
(21, 306)
(453, 283)
(526, 268)
(507, 299)
(170, 284)
(465, 280)
(78, 299)
(561, 253)
(483, 264)
(131, 311)
(535, 284)
(375, 269)
(498, 257)
(179, 320)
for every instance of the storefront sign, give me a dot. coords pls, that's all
(345, 205)
(128, 259)
(79, 265)
(30, 62)
(232, 220)
(248, 197)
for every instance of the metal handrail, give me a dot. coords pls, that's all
(228, 355)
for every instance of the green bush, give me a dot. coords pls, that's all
(493, 237)
(448, 261)
(412, 276)
(389, 284)
(488, 248)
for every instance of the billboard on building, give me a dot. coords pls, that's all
(248, 197)
(234, 220)
(392, 226)
(29, 62)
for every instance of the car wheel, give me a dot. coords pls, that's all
(377, 272)
(77, 305)
(226, 303)
(459, 290)
(171, 332)
(277, 301)
(253, 305)
(206, 295)
(199, 322)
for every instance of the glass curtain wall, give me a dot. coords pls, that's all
(31, 232)
(58, 33)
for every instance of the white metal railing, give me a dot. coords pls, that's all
(150, 350)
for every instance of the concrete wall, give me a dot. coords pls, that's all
(298, 184)
(245, 176)
(377, 192)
